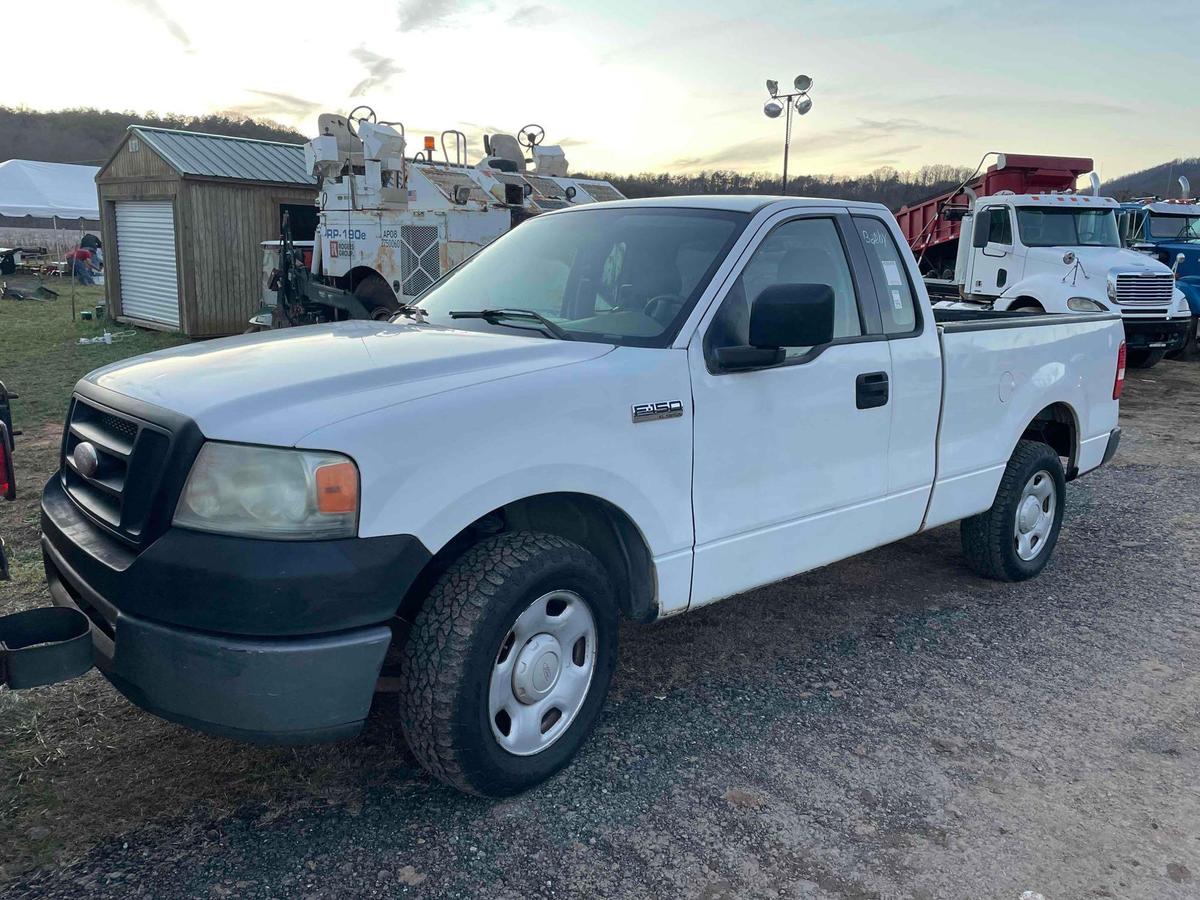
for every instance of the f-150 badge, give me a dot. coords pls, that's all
(648, 412)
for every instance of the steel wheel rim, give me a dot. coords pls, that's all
(542, 672)
(1035, 515)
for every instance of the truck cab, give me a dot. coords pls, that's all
(1168, 231)
(1062, 253)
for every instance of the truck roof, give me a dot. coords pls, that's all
(1054, 199)
(1168, 207)
(750, 203)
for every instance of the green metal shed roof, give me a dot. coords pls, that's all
(218, 156)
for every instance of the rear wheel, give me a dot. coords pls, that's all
(508, 663)
(1013, 540)
(1144, 359)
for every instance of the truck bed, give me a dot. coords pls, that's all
(999, 371)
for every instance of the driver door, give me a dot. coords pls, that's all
(993, 259)
(790, 460)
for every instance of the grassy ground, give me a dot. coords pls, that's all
(41, 358)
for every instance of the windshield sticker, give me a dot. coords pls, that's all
(896, 299)
(892, 271)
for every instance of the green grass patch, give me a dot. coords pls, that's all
(41, 357)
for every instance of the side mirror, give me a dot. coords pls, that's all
(784, 315)
(979, 238)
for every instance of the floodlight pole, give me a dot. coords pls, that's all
(787, 143)
(789, 100)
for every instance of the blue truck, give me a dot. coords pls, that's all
(1169, 230)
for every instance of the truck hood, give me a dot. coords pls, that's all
(277, 386)
(1097, 261)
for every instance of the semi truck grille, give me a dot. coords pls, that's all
(114, 480)
(1137, 289)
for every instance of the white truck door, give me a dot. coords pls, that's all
(993, 260)
(790, 462)
(916, 396)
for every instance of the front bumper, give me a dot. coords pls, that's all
(267, 641)
(1155, 334)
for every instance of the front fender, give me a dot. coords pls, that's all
(1189, 285)
(1052, 292)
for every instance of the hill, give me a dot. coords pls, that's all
(1161, 180)
(89, 136)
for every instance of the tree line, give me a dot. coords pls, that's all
(89, 136)
(889, 186)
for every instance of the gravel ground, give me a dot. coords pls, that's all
(890, 726)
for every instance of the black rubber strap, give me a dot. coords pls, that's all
(44, 646)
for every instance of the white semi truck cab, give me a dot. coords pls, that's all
(1062, 252)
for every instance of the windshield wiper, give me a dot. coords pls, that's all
(496, 317)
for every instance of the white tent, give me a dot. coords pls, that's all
(48, 190)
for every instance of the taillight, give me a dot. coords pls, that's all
(1119, 381)
(8, 481)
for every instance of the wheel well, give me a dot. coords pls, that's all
(1027, 302)
(595, 524)
(361, 274)
(1055, 425)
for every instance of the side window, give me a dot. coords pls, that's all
(897, 303)
(1000, 227)
(802, 251)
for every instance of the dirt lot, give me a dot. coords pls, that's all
(886, 727)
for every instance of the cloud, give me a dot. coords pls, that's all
(851, 138)
(532, 14)
(380, 69)
(275, 104)
(154, 11)
(418, 14)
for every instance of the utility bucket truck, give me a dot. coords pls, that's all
(390, 225)
(1169, 231)
(1035, 245)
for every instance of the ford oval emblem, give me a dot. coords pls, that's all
(86, 460)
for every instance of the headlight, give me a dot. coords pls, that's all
(265, 492)
(1086, 304)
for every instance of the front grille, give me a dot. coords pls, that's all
(119, 492)
(1151, 288)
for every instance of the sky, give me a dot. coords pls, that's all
(674, 85)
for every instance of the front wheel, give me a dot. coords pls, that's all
(508, 663)
(1013, 540)
(1144, 359)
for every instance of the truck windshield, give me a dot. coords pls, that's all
(1042, 226)
(1183, 228)
(623, 276)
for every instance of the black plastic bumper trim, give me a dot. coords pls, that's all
(1114, 440)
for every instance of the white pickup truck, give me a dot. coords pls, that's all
(627, 409)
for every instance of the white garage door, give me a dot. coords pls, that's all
(146, 257)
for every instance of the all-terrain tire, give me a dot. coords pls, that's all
(1144, 359)
(987, 538)
(449, 654)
